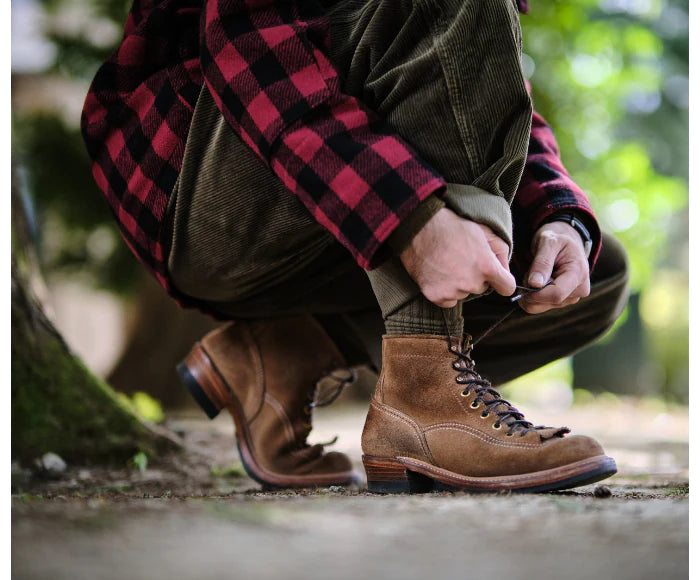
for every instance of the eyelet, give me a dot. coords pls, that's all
(464, 394)
(496, 426)
(484, 415)
(509, 434)
(474, 404)
(460, 379)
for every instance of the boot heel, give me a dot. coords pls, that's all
(390, 476)
(203, 382)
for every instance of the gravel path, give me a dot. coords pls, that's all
(183, 520)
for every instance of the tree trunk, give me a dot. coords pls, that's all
(57, 404)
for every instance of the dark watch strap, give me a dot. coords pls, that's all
(577, 224)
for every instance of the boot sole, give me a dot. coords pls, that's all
(208, 388)
(408, 475)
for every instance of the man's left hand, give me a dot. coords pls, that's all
(559, 255)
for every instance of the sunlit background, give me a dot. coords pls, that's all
(611, 76)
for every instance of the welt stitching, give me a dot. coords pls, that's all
(524, 477)
(479, 435)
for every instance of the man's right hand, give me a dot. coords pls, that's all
(452, 257)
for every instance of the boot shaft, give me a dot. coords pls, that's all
(282, 357)
(418, 376)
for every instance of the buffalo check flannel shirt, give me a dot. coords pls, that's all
(265, 63)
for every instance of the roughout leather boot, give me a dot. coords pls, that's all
(435, 424)
(265, 372)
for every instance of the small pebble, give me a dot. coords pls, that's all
(84, 475)
(52, 464)
(602, 491)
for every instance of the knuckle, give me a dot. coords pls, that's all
(477, 287)
(549, 239)
(441, 297)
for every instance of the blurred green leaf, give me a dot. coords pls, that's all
(140, 461)
(148, 407)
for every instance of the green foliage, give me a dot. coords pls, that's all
(144, 406)
(148, 407)
(139, 461)
(611, 86)
(611, 78)
(679, 491)
(233, 470)
(75, 228)
(84, 33)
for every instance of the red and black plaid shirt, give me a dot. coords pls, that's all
(265, 63)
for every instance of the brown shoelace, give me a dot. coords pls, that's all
(325, 398)
(507, 414)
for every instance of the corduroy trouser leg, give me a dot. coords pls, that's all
(446, 74)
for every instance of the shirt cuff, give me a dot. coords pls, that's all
(480, 206)
(401, 237)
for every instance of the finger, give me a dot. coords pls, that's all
(499, 278)
(501, 250)
(548, 249)
(439, 298)
(561, 289)
(446, 303)
(498, 245)
(584, 289)
(502, 258)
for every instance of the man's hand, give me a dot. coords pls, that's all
(451, 258)
(559, 254)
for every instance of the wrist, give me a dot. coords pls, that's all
(404, 234)
(578, 226)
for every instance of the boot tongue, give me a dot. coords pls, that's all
(489, 395)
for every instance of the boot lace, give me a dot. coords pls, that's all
(319, 397)
(323, 399)
(493, 402)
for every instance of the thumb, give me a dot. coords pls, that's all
(543, 264)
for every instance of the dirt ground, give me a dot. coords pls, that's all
(199, 516)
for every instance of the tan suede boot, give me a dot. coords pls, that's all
(435, 424)
(265, 372)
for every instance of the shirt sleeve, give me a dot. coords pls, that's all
(547, 189)
(265, 64)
